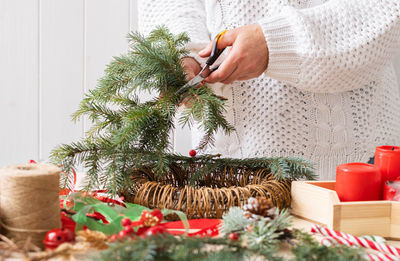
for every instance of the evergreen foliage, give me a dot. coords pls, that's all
(127, 133)
(261, 242)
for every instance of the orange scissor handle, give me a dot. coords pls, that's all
(215, 52)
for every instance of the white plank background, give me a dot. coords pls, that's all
(51, 52)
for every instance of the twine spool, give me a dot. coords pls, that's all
(29, 201)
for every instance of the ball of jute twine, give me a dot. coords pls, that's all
(29, 201)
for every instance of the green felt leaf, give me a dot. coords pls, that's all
(133, 211)
(181, 216)
(108, 212)
(80, 216)
(108, 229)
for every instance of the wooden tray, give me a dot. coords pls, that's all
(317, 201)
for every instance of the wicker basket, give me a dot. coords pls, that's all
(209, 197)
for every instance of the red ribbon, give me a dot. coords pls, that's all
(197, 227)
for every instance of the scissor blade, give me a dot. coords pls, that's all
(196, 80)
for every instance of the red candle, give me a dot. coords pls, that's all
(387, 158)
(358, 182)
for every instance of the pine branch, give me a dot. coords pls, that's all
(127, 133)
(234, 221)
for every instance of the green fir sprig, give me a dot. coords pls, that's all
(262, 241)
(128, 134)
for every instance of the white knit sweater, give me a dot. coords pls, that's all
(329, 93)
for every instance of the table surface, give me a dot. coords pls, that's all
(298, 223)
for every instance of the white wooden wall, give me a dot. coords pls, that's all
(51, 52)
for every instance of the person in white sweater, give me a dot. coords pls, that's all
(305, 78)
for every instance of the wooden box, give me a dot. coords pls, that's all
(318, 202)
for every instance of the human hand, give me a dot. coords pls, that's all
(248, 57)
(191, 67)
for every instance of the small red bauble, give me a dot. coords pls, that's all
(113, 238)
(192, 153)
(128, 229)
(122, 234)
(126, 222)
(155, 230)
(56, 237)
(233, 236)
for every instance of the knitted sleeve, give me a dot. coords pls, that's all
(179, 16)
(337, 46)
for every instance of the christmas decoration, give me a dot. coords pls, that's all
(127, 149)
(330, 241)
(357, 241)
(125, 129)
(263, 240)
(257, 208)
(233, 236)
(57, 236)
(192, 153)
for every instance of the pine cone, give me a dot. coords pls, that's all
(258, 208)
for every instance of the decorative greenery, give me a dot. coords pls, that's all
(261, 240)
(123, 125)
(128, 134)
(81, 204)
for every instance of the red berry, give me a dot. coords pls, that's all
(155, 230)
(233, 236)
(128, 229)
(122, 234)
(192, 153)
(113, 238)
(249, 228)
(126, 222)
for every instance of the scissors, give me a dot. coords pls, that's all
(206, 70)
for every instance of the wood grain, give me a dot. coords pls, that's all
(318, 202)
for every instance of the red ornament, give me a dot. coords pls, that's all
(150, 219)
(122, 234)
(126, 222)
(155, 230)
(113, 238)
(56, 237)
(192, 153)
(128, 229)
(233, 236)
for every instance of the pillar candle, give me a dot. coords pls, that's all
(387, 158)
(358, 182)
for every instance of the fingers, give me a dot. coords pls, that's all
(206, 51)
(233, 77)
(226, 40)
(225, 70)
(191, 67)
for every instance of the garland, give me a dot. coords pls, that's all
(258, 230)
